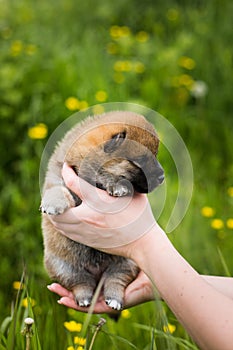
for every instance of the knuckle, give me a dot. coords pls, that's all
(69, 182)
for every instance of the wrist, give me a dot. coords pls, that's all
(143, 250)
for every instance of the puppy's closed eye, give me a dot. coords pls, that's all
(115, 142)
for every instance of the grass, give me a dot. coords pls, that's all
(58, 57)
(80, 331)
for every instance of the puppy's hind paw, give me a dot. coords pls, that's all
(114, 304)
(84, 302)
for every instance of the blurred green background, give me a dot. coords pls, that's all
(59, 57)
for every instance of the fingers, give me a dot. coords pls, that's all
(58, 289)
(99, 308)
(139, 291)
(70, 216)
(71, 180)
(83, 189)
(68, 302)
(67, 299)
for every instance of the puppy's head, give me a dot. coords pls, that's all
(117, 146)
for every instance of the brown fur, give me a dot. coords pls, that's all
(113, 147)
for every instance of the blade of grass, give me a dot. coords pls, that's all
(14, 328)
(224, 264)
(179, 341)
(91, 309)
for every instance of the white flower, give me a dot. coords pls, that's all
(29, 321)
(199, 89)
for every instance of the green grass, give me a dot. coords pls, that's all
(143, 327)
(135, 52)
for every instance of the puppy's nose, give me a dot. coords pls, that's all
(161, 178)
(159, 173)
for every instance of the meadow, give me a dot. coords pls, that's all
(62, 57)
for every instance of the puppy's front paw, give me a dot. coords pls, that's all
(119, 189)
(56, 200)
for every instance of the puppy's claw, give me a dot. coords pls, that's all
(118, 190)
(114, 304)
(51, 210)
(84, 302)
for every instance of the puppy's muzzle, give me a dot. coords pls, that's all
(150, 175)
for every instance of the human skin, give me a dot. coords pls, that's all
(203, 304)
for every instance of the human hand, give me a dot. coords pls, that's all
(103, 222)
(137, 292)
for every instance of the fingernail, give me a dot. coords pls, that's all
(49, 286)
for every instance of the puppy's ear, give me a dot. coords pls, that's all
(115, 142)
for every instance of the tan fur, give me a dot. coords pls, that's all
(116, 146)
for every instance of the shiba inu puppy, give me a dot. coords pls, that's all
(109, 151)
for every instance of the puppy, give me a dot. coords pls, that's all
(109, 151)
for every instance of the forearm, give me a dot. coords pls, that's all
(222, 284)
(197, 304)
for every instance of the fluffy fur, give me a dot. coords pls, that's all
(108, 151)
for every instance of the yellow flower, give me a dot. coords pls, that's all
(230, 223)
(124, 31)
(70, 348)
(217, 224)
(73, 326)
(122, 66)
(98, 109)
(72, 103)
(118, 66)
(17, 285)
(230, 191)
(182, 80)
(126, 66)
(169, 328)
(114, 31)
(187, 62)
(101, 96)
(186, 80)
(207, 212)
(30, 49)
(16, 48)
(142, 36)
(117, 32)
(126, 314)
(172, 14)
(139, 67)
(80, 341)
(83, 105)
(38, 131)
(28, 301)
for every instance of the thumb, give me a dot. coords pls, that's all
(82, 188)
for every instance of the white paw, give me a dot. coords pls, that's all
(84, 302)
(118, 190)
(52, 209)
(114, 304)
(56, 200)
